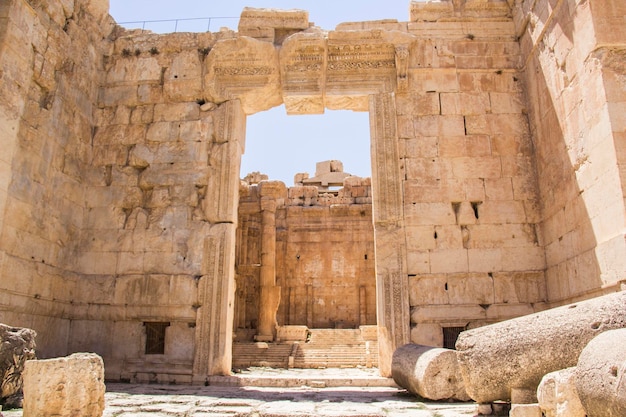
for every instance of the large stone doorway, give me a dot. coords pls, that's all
(315, 70)
(304, 271)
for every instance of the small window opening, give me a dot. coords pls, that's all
(155, 337)
(450, 334)
(366, 256)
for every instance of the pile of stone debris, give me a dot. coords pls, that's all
(569, 361)
(17, 345)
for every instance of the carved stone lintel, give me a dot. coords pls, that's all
(302, 70)
(369, 65)
(345, 68)
(246, 69)
(304, 104)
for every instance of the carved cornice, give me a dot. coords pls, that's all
(319, 70)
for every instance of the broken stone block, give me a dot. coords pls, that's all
(17, 345)
(525, 410)
(64, 387)
(600, 375)
(516, 354)
(429, 372)
(557, 395)
(292, 333)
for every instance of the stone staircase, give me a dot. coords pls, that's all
(336, 348)
(273, 355)
(325, 348)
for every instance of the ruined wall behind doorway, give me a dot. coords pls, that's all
(324, 256)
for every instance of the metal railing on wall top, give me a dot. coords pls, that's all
(192, 24)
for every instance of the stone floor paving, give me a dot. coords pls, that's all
(135, 400)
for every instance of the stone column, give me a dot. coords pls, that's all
(270, 293)
(392, 283)
(270, 192)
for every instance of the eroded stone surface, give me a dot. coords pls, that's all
(17, 345)
(497, 152)
(600, 375)
(156, 401)
(557, 394)
(429, 372)
(64, 387)
(515, 354)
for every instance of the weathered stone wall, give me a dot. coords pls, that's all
(324, 256)
(119, 170)
(51, 55)
(162, 198)
(105, 221)
(327, 257)
(574, 70)
(471, 208)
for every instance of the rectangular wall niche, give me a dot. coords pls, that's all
(155, 337)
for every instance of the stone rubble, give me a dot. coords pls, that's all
(557, 395)
(600, 375)
(64, 387)
(497, 150)
(429, 372)
(509, 358)
(17, 345)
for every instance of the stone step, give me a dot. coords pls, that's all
(315, 378)
(325, 348)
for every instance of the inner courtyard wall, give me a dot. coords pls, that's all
(51, 56)
(164, 197)
(497, 167)
(574, 72)
(471, 209)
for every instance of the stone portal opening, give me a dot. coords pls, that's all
(281, 145)
(305, 272)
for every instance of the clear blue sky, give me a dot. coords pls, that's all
(277, 144)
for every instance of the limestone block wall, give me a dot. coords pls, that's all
(574, 71)
(160, 201)
(327, 258)
(497, 136)
(471, 210)
(50, 61)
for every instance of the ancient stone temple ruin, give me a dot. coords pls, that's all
(322, 245)
(497, 151)
(304, 261)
